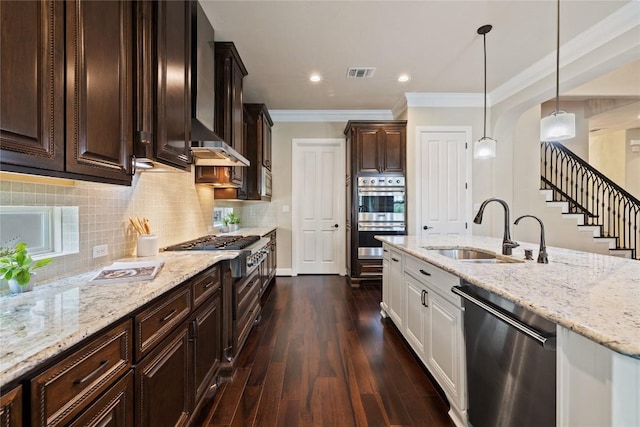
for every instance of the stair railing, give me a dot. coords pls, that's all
(589, 192)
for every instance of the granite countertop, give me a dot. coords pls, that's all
(38, 325)
(596, 296)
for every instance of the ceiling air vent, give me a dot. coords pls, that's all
(360, 72)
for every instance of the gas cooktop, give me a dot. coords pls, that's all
(215, 243)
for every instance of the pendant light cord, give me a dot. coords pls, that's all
(557, 61)
(484, 132)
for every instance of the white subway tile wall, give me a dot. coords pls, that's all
(177, 209)
(253, 214)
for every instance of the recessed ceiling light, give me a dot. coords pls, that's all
(404, 78)
(315, 77)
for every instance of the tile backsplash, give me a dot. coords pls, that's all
(177, 209)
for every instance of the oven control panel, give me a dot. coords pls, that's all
(381, 181)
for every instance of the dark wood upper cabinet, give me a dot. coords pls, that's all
(229, 124)
(67, 65)
(99, 57)
(257, 126)
(377, 147)
(32, 84)
(162, 83)
(173, 82)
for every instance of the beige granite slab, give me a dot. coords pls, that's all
(38, 325)
(597, 296)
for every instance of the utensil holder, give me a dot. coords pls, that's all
(147, 245)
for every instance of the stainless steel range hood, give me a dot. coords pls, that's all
(207, 148)
(216, 153)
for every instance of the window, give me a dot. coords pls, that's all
(47, 231)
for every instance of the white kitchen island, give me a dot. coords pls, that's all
(593, 299)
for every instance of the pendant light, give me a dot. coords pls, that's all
(485, 147)
(559, 125)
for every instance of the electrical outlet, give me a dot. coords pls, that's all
(100, 250)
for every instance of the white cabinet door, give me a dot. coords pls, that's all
(416, 321)
(396, 289)
(445, 346)
(384, 306)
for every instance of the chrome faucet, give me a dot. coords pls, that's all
(542, 254)
(507, 243)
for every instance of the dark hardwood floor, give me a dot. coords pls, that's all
(323, 356)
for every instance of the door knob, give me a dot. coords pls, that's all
(426, 227)
(335, 225)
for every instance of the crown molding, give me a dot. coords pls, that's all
(328, 115)
(613, 26)
(445, 100)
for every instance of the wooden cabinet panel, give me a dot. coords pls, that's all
(367, 152)
(258, 124)
(206, 284)
(207, 345)
(32, 84)
(230, 72)
(445, 346)
(173, 86)
(99, 57)
(162, 383)
(417, 301)
(156, 321)
(11, 408)
(392, 150)
(377, 147)
(112, 409)
(62, 391)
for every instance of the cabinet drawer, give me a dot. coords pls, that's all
(205, 285)
(155, 322)
(113, 409)
(432, 276)
(368, 268)
(65, 389)
(246, 292)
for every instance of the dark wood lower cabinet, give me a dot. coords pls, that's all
(113, 409)
(207, 347)
(162, 383)
(11, 408)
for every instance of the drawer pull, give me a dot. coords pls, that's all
(169, 316)
(103, 364)
(208, 285)
(395, 259)
(426, 273)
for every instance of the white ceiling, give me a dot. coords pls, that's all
(436, 42)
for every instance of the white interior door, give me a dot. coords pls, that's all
(318, 188)
(444, 181)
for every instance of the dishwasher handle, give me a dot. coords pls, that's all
(547, 341)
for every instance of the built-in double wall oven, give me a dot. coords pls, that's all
(381, 212)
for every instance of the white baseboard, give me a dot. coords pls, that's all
(283, 272)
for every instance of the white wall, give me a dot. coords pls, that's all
(607, 154)
(282, 134)
(632, 166)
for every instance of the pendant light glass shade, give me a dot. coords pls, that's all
(558, 126)
(485, 147)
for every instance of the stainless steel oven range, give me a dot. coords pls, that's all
(253, 250)
(241, 301)
(381, 211)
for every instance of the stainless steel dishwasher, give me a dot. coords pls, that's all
(511, 362)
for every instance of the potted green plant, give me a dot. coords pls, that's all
(233, 221)
(16, 266)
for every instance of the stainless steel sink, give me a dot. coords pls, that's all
(472, 255)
